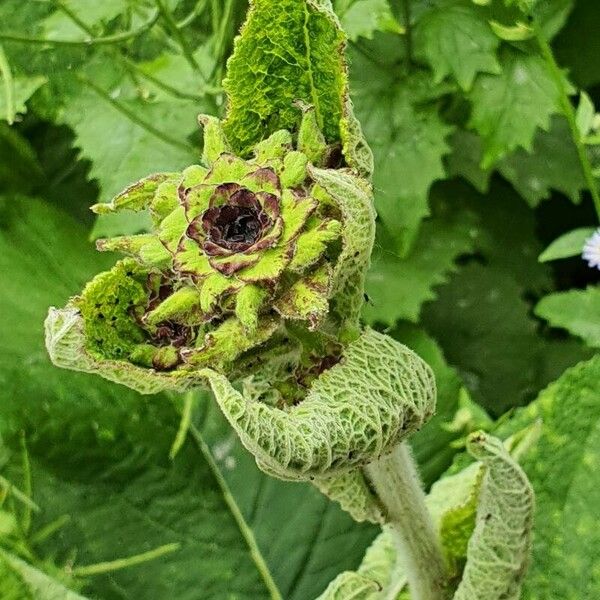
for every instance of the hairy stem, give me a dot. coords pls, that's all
(398, 487)
(569, 113)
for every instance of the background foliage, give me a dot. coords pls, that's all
(477, 171)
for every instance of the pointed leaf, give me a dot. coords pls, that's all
(455, 38)
(567, 245)
(577, 311)
(21, 581)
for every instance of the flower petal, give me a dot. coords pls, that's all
(197, 200)
(146, 247)
(227, 342)
(245, 198)
(270, 265)
(165, 201)
(270, 204)
(228, 168)
(308, 298)
(172, 229)
(213, 287)
(263, 179)
(193, 175)
(247, 305)
(311, 244)
(215, 142)
(137, 196)
(294, 169)
(295, 211)
(228, 265)
(310, 138)
(182, 306)
(190, 260)
(277, 145)
(269, 240)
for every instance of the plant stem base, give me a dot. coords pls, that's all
(397, 484)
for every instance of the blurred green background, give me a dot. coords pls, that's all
(477, 173)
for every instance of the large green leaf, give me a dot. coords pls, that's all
(408, 137)
(454, 37)
(562, 466)
(397, 287)
(482, 317)
(298, 530)
(552, 164)
(99, 454)
(509, 107)
(578, 311)
(362, 18)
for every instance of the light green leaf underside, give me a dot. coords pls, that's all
(304, 555)
(431, 445)
(20, 581)
(354, 197)
(499, 549)
(498, 545)
(577, 311)
(451, 503)
(393, 399)
(66, 343)
(567, 245)
(379, 576)
(351, 491)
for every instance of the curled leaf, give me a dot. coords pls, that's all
(353, 494)
(354, 412)
(379, 577)
(500, 547)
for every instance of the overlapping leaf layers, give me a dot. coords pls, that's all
(254, 268)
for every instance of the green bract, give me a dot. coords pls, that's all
(253, 258)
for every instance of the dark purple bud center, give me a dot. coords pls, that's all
(235, 226)
(171, 333)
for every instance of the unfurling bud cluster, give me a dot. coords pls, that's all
(253, 265)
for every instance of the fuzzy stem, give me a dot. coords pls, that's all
(397, 484)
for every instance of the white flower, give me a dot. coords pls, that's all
(591, 250)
